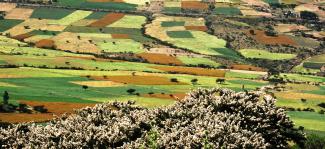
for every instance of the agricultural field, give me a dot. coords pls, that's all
(185, 32)
(79, 53)
(311, 65)
(262, 54)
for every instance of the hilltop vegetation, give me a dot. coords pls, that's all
(206, 118)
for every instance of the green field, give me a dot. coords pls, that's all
(180, 34)
(309, 120)
(263, 54)
(8, 23)
(50, 13)
(73, 17)
(230, 11)
(197, 61)
(172, 23)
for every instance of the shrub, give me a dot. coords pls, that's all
(131, 91)
(216, 118)
(173, 80)
(314, 142)
(322, 104)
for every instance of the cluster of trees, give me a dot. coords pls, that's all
(202, 120)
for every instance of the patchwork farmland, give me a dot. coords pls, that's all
(56, 57)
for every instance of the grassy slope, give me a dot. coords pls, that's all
(262, 54)
(197, 60)
(310, 120)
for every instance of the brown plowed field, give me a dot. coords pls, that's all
(261, 37)
(54, 108)
(107, 20)
(192, 71)
(21, 37)
(156, 58)
(196, 28)
(120, 36)
(45, 43)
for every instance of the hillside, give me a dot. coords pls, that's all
(213, 118)
(63, 55)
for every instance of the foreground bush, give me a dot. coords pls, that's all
(216, 118)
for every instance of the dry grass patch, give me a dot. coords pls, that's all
(107, 20)
(98, 83)
(7, 6)
(284, 28)
(298, 96)
(160, 58)
(192, 71)
(7, 76)
(70, 42)
(139, 80)
(19, 13)
(194, 5)
(4, 84)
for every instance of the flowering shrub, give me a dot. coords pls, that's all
(215, 118)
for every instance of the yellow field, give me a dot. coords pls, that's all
(98, 83)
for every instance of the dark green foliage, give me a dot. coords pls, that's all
(172, 23)
(131, 91)
(5, 97)
(180, 34)
(50, 13)
(7, 24)
(227, 11)
(313, 65)
(315, 142)
(173, 80)
(322, 104)
(307, 15)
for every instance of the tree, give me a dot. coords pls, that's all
(220, 81)
(307, 15)
(173, 80)
(85, 87)
(303, 100)
(5, 98)
(194, 81)
(131, 91)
